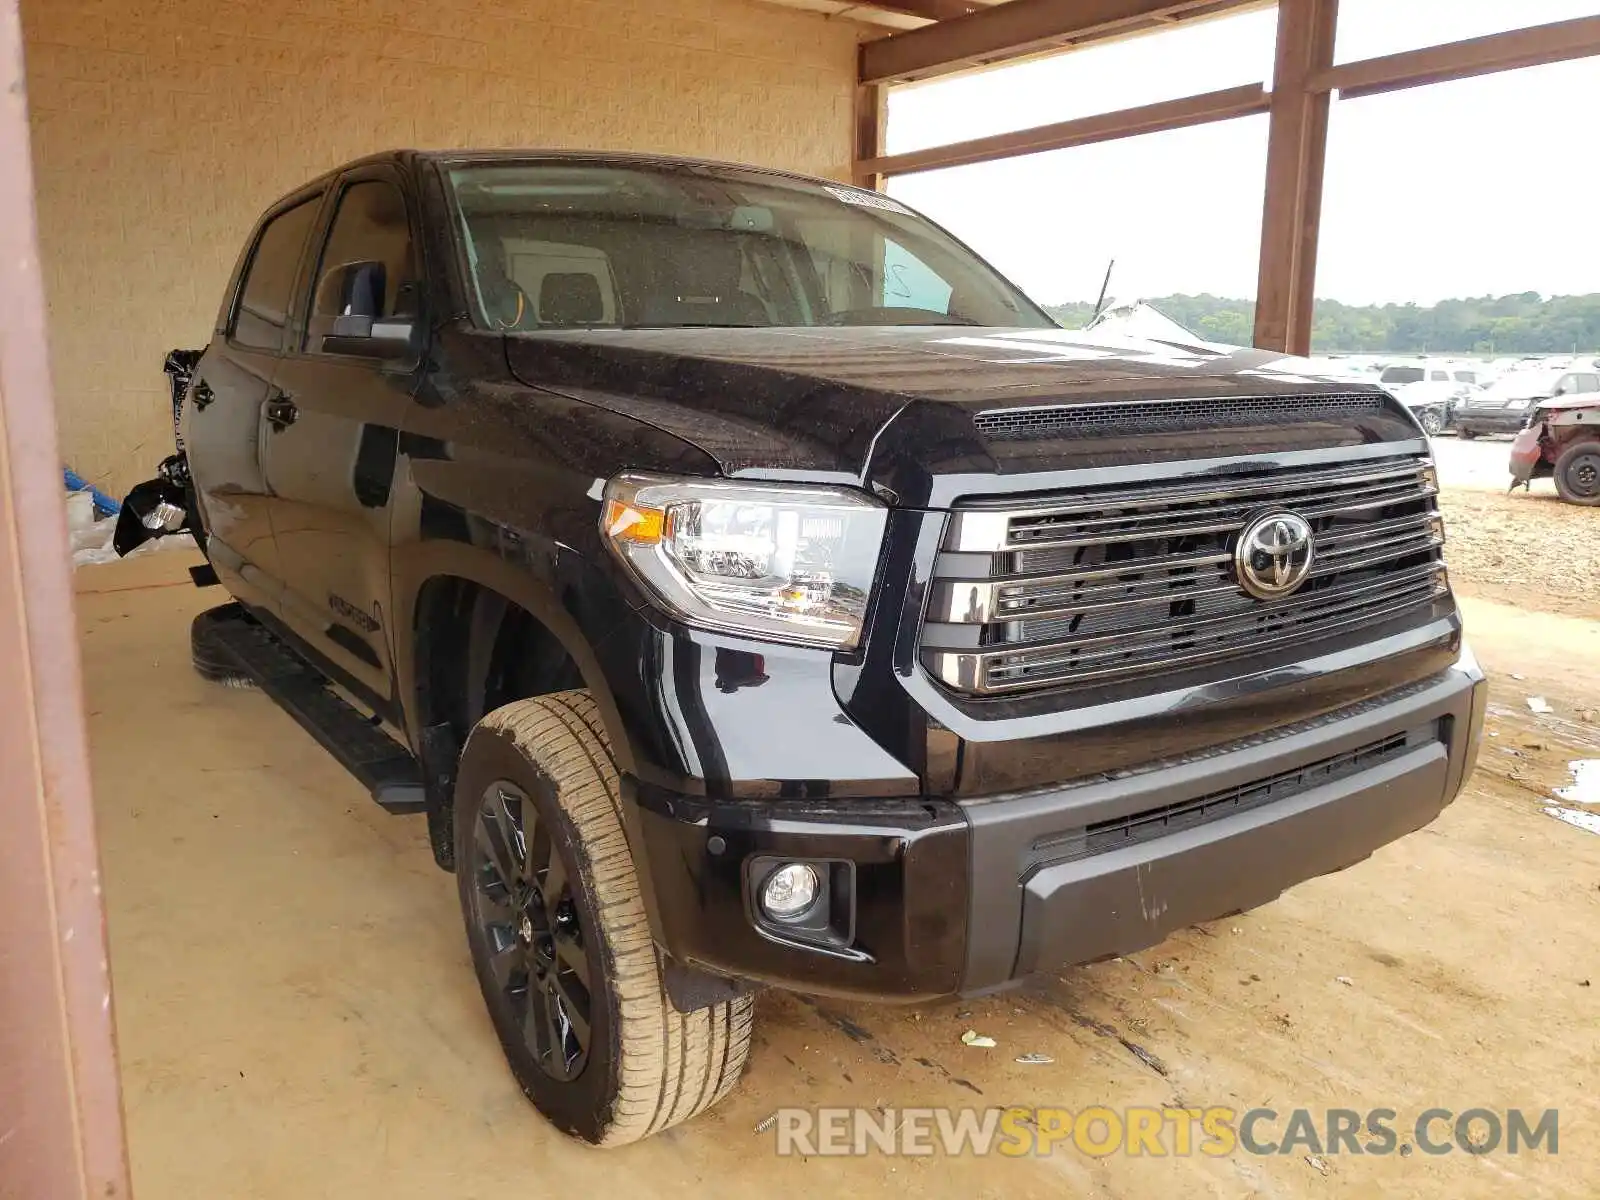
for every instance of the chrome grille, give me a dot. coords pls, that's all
(1125, 583)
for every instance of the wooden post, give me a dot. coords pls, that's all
(1296, 151)
(871, 127)
(60, 1108)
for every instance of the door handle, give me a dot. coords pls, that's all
(281, 412)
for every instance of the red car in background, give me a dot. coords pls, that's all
(1562, 440)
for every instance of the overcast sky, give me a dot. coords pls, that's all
(1484, 186)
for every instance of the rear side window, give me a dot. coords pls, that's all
(264, 296)
(369, 227)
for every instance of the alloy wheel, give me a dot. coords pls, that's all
(527, 915)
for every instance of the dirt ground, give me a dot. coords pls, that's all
(1525, 548)
(298, 1019)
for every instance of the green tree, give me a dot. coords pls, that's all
(1522, 323)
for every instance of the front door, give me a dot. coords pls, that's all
(331, 436)
(224, 413)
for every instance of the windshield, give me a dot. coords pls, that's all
(1401, 375)
(574, 245)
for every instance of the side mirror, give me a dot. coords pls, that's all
(361, 329)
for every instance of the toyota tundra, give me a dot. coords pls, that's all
(755, 589)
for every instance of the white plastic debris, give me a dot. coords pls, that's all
(1585, 787)
(1034, 1060)
(1344, 979)
(1317, 1163)
(88, 539)
(80, 511)
(1574, 816)
(93, 545)
(1539, 705)
(973, 1038)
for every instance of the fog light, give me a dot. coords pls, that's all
(790, 891)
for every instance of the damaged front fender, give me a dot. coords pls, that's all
(1527, 453)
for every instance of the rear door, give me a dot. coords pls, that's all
(331, 440)
(224, 416)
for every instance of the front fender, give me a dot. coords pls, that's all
(558, 588)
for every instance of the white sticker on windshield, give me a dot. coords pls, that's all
(864, 199)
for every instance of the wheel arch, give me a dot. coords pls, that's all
(495, 639)
(476, 632)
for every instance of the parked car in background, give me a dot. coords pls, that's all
(1503, 407)
(1430, 388)
(1562, 441)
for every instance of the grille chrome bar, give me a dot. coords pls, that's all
(1134, 638)
(963, 670)
(1147, 582)
(989, 528)
(1075, 590)
(1115, 529)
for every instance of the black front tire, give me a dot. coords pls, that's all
(560, 939)
(1577, 473)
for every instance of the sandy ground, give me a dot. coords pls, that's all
(298, 1019)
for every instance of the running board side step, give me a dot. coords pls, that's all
(382, 765)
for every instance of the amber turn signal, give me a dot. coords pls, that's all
(626, 522)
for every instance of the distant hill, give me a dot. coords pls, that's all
(1526, 323)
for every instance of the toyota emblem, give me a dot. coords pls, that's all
(1274, 555)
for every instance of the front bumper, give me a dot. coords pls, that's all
(963, 897)
(1490, 420)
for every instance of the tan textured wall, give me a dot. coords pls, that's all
(162, 128)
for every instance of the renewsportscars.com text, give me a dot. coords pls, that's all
(1163, 1132)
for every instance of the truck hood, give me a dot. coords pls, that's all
(896, 406)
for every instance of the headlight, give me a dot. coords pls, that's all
(1518, 403)
(781, 562)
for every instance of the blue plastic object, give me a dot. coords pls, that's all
(103, 504)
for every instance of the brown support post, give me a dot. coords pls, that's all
(1296, 151)
(61, 1132)
(871, 128)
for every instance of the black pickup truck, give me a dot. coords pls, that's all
(753, 588)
